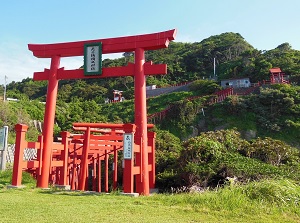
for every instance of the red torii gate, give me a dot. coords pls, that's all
(137, 44)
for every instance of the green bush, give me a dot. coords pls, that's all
(168, 148)
(168, 179)
(182, 115)
(271, 106)
(202, 159)
(204, 87)
(273, 151)
(235, 105)
(209, 159)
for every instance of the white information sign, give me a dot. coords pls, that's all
(128, 146)
(2, 138)
(3, 146)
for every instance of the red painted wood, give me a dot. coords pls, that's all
(64, 156)
(151, 147)
(79, 154)
(94, 176)
(62, 74)
(99, 175)
(128, 171)
(39, 158)
(106, 155)
(115, 170)
(49, 120)
(19, 152)
(140, 115)
(65, 171)
(84, 160)
(151, 41)
(105, 125)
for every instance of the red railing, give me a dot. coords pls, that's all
(217, 97)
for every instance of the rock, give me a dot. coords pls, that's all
(249, 134)
(202, 125)
(221, 127)
(196, 189)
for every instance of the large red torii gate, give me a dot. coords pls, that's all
(137, 44)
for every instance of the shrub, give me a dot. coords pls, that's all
(235, 105)
(204, 87)
(168, 148)
(202, 159)
(209, 159)
(168, 179)
(182, 115)
(273, 151)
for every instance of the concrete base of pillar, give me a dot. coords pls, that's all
(154, 190)
(130, 194)
(15, 187)
(63, 187)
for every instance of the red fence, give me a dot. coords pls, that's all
(217, 97)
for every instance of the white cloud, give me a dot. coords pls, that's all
(112, 56)
(18, 63)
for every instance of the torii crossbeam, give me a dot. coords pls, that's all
(137, 44)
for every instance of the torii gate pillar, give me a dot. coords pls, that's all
(49, 120)
(141, 115)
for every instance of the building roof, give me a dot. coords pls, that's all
(237, 78)
(275, 70)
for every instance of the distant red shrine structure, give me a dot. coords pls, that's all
(92, 51)
(277, 76)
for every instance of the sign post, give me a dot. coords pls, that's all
(128, 146)
(3, 146)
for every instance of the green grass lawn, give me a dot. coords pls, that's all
(266, 201)
(42, 206)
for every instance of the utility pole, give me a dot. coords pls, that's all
(4, 96)
(214, 67)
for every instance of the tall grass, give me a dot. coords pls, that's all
(280, 192)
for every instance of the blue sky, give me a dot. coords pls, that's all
(265, 24)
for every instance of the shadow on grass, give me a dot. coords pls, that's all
(29, 182)
(55, 191)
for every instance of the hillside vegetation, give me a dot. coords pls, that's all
(234, 57)
(244, 138)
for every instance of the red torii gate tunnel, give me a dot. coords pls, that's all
(141, 161)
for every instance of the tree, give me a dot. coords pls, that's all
(204, 87)
(284, 47)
